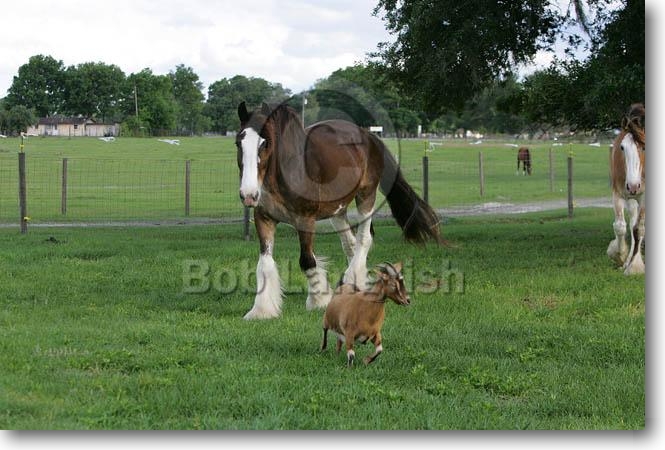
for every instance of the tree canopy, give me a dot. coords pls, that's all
(446, 52)
(452, 65)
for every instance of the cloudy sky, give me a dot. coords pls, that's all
(293, 42)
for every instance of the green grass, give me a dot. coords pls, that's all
(96, 332)
(144, 179)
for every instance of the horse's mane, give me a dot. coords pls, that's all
(288, 127)
(635, 124)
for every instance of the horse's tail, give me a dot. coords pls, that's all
(416, 218)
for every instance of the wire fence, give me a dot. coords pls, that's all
(127, 190)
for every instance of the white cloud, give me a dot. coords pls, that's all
(290, 42)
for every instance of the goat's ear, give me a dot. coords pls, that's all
(243, 114)
(398, 266)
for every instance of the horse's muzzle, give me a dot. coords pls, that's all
(633, 188)
(250, 200)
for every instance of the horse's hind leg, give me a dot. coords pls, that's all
(356, 273)
(618, 249)
(318, 293)
(341, 225)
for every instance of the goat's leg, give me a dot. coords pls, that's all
(324, 344)
(338, 348)
(618, 249)
(268, 300)
(378, 348)
(350, 353)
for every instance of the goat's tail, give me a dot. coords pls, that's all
(416, 218)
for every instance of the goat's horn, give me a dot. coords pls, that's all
(388, 269)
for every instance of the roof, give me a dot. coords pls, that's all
(63, 120)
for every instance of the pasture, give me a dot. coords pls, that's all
(97, 331)
(144, 179)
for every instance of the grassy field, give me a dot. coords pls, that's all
(144, 179)
(96, 331)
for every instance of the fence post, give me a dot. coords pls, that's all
(63, 198)
(188, 171)
(245, 222)
(426, 179)
(551, 170)
(570, 185)
(22, 191)
(481, 173)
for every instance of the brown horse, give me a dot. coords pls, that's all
(628, 190)
(524, 156)
(299, 176)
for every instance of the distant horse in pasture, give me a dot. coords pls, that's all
(628, 190)
(524, 157)
(299, 176)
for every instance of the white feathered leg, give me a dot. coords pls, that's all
(618, 249)
(356, 273)
(268, 300)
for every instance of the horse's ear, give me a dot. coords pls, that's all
(243, 114)
(266, 110)
(624, 123)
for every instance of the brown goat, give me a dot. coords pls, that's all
(358, 315)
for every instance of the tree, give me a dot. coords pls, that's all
(225, 95)
(364, 94)
(93, 90)
(16, 119)
(189, 100)
(594, 93)
(155, 100)
(446, 50)
(39, 85)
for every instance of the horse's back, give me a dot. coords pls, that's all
(332, 145)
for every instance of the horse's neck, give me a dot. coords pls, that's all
(289, 157)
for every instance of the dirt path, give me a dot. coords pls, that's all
(519, 208)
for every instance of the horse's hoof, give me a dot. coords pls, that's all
(615, 254)
(318, 301)
(635, 268)
(260, 314)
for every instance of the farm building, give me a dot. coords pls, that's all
(73, 126)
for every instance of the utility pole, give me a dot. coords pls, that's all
(304, 102)
(136, 103)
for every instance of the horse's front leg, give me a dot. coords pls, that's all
(635, 263)
(618, 249)
(318, 292)
(268, 300)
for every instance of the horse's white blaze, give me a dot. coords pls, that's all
(249, 181)
(633, 163)
(268, 300)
